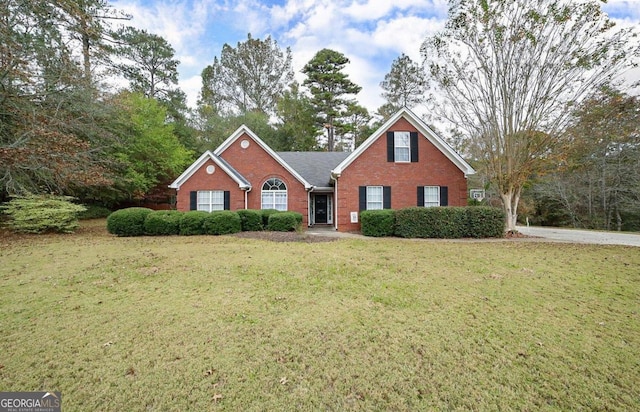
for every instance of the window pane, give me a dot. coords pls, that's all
(431, 196)
(402, 144)
(209, 200)
(402, 154)
(374, 198)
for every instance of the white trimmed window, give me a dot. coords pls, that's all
(431, 196)
(210, 200)
(374, 198)
(274, 194)
(402, 146)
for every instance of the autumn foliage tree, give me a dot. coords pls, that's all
(508, 74)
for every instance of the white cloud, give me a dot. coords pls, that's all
(371, 33)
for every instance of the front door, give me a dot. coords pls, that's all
(320, 206)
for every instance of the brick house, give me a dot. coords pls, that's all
(404, 163)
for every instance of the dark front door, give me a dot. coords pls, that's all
(320, 208)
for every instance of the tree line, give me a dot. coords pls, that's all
(527, 91)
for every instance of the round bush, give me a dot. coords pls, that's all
(127, 222)
(265, 215)
(284, 221)
(192, 222)
(251, 220)
(222, 222)
(162, 223)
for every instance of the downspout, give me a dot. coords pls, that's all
(246, 198)
(309, 205)
(335, 200)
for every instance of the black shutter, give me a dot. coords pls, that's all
(363, 197)
(386, 197)
(227, 200)
(420, 195)
(193, 200)
(444, 196)
(414, 146)
(390, 148)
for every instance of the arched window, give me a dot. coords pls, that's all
(274, 194)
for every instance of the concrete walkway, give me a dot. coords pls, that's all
(582, 236)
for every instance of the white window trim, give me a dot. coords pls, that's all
(371, 203)
(396, 146)
(431, 203)
(206, 200)
(272, 196)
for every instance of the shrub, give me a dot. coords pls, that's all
(449, 222)
(162, 223)
(431, 222)
(265, 215)
(485, 222)
(42, 213)
(222, 222)
(284, 221)
(251, 220)
(378, 222)
(128, 222)
(94, 212)
(192, 222)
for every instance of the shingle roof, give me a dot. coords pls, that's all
(314, 167)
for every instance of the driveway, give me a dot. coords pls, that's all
(582, 236)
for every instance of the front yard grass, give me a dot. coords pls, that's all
(229, 323)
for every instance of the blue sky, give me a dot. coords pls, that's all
(371, 33)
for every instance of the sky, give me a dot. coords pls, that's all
(371, 33)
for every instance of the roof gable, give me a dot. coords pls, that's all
(422, 127)
(221, 163)
(242, 130)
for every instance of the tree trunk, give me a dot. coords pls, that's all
(510, 201)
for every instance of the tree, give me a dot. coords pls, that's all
(149, 64)
(250, 77)
(149, 153)
(45, 145)
(328, 86)
(598, 185)
(405, 85)
(354, 126)
(511, 72)
(88, 22)
(296, 128)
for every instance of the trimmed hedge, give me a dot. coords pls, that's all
(431, 222)
(40, 214)
(162, 223)
(222, 222)
(449, 222)
(485, 221)
(265, 215)
(284, 221)
(378, 222)
(128, 222)
(192, 222)
(251, 220)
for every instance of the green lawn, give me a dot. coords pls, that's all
(224, 323)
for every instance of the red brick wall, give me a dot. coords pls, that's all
(257, 166)
(201, 180)
(372, 169)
